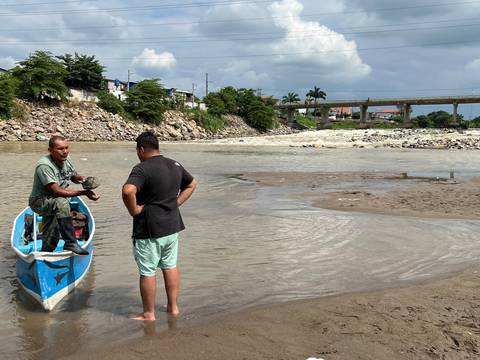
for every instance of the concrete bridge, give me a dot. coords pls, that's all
(404, 103)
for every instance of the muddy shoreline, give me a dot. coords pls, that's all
(434, 319)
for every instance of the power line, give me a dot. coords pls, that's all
(301, 53)
(139, 8)
(226, 21)
(189, 39)
(50, 3)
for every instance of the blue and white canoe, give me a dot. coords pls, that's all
(50, 276)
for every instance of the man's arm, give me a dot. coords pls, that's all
(129, 193)
(77, 179)
(186, 193)
(57, 191)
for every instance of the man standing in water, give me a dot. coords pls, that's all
(155, 189)
(49, 196)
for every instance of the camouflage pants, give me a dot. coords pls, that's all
(50, 209)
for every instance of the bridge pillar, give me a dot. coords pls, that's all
(406, 113)
(324, 110)
(290, 116)
(363, 114)
(455, 112)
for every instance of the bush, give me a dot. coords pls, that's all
(110, 103)
(206, 120)
(261, 116)
(306, 121)
(474, 123)
(215, 104)
(344, 125)
(383, 126)
(7, 96)
(148, 101)
(422, 121)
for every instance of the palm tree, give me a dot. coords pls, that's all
(316, 93)
(290, 98)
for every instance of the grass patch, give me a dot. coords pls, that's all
(344, 125)
(306, 121)
(383, 126)
(207, 121)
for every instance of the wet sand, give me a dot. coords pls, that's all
(438, 319)
(407, 195)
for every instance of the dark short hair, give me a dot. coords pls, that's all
(53, 140)
(147, 140)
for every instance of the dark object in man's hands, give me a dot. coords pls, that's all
(91, 183)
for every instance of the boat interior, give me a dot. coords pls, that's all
(28, 232)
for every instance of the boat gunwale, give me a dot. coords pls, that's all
(49, 256)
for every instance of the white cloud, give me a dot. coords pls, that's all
(473, 66)
(7, 62)
(314, 45)
(240, 73)
(149, 63)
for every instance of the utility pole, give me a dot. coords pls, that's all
(206, 84)
(259, 92)
(193, 95)
(128, 81)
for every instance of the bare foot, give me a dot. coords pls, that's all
(173, 310)
(144, 317)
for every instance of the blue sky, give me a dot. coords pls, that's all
(351, 49)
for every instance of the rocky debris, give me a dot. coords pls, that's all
(88, 122)
(418, 139)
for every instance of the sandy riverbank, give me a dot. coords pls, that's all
(438, 319)
(406, 195)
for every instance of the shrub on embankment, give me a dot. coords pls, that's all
(7, 96)
(257, 112)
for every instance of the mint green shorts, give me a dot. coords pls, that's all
(151, 254)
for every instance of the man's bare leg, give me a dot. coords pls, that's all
(171, 278)
(148, 290)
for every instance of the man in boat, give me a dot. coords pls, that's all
(50, 194)
(155, 189)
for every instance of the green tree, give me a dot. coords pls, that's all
(260, 115)
(7, 95)
(422, 121)
(148, 101)
(229, 97)
(41, 77)
(84, 71)
(474, 123)
(244, 99)
(215, 104)
(440, 119)
(316, 93)
(291, 97)
(110, 103)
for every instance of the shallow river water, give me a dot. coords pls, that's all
(244, 244)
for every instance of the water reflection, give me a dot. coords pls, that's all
(47, 335)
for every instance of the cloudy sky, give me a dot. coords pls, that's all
(349, 48)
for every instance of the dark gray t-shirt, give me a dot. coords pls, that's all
(159, 180)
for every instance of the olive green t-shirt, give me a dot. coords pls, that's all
(47, 172)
